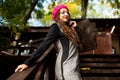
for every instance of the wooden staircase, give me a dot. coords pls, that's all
(100, 67)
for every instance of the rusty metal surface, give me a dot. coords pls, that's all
(104, 44)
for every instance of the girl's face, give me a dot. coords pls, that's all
(64, 15)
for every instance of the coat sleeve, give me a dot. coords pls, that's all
(49, 39)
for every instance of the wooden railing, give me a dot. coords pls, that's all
(43, 68)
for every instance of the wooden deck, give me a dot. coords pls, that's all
(92, 67)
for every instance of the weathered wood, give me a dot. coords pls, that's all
(31, 72)
(101, 78)
(100, 67)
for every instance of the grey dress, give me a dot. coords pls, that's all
(67, 62)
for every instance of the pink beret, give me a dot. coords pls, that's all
(57, 9)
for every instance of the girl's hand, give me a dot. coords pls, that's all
(21, 67)
(73, 23)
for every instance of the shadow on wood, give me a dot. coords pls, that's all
(36, 72)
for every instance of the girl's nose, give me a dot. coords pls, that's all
(66, 13)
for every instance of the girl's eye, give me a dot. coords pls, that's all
(64, 12)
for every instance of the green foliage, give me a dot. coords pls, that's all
(75, 11)
(47, 19)
(103, 9)
(40, 13)
(73, 6)
(13, 11)
(95, 9)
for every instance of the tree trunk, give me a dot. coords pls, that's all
(117, 2)
(84, 7)
(29, 11)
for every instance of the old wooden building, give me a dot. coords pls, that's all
(100, 64)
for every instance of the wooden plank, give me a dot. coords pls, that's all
(27, 73)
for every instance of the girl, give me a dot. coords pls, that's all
(63, 33)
